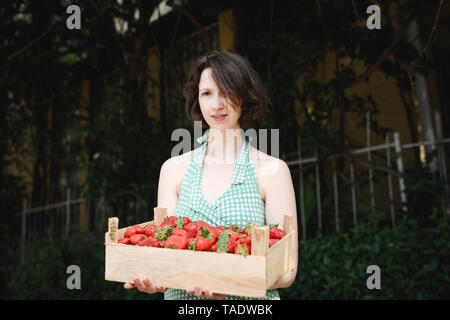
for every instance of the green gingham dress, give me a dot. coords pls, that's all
(239, 205)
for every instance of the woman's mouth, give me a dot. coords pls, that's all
(219, 117)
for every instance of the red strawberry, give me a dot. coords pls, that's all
(226, 243)
(150, 242)
(231, 245)
(220, 230)
(133, 230)
(203, 244)
(275, 233)
(191, 243)
(136, 238)
(213, 247)
(180, 232)
(150, 229)
(162, 233)
(204, 240)
(124, 240)
(182, 221)
(232, 232)
(176, 242)
(246, 239)
(273, 241)
(169, 221)
(204, 226)
(250, 227)
(243, 249)
(191, 229)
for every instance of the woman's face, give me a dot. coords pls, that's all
(216, 110)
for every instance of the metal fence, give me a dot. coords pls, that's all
(393, 149)
(61, 217)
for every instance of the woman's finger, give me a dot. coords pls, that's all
(129, 285)
(138, 283)
(161, 288)
(147, 285)
(208, 293)
(198, 291)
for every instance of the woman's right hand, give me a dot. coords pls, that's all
(145, 286)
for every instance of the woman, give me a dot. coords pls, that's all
(223, 182)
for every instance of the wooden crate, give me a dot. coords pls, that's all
(222, 273)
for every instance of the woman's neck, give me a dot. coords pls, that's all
(224, 145)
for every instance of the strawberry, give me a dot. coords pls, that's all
(275, 232)
(192, 243)
(124, 241)
(176, 242)
(150, 229)
(246, 239)
(203, 225)
(133, 230)
(180, 232)
(169, 221)
(163, 232)
(150, 242)
(220, 230)
(204, 239)
(243, 249)
(250, 227)
(136, 238)
(232, 231)
(226, 243)
(213, 247)
(273, 241)
(191, 229)
(182, 221)
(236, 228)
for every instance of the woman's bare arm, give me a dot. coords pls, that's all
(167, 186)
(280, 199)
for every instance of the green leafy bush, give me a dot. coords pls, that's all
(413, 263)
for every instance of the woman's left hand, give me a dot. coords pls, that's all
(205, 293)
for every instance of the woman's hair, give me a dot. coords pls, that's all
(236, 80)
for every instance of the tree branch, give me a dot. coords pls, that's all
(195, 22)
(13, 55)
(383, 56)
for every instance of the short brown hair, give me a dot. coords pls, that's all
(236, 80)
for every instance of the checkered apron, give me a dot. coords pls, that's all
(239, 205)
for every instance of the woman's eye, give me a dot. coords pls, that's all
(205, 93)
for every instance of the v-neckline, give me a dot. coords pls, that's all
(205, 144)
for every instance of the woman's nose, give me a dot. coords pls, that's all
(219, 101)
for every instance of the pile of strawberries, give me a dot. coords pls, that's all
(183, 233)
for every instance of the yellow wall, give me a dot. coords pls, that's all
(153, 86)
(227, 30)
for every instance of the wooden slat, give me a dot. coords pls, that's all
(113, 227)
(288, 223)
(260, 241)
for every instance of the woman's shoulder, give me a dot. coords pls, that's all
(266, 166)
(264, 162)
(177, 166)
